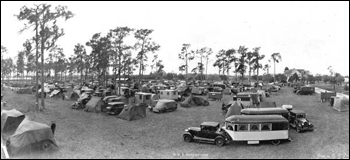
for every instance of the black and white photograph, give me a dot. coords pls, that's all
(175, 79)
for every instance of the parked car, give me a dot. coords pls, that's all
(31, 134)
(305, 90)
(297, 120)
(164, 105)
(114, 108)
(208, 132)
(245, 100)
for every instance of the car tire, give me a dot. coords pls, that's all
(220, 141)
(46, 145)
(188, 138)
(275, 142)
(298, 129)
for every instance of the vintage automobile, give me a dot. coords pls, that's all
(245, 100)
(215, 96)
(30, 135)
(199, 90)
(114, 108)
(82, 101)
(208, 132)
(141, 97)
(169, 94)
(164, 105)
(297, 120)
(305, 90)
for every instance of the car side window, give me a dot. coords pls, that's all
(212, 129)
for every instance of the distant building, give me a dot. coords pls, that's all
(299, 72)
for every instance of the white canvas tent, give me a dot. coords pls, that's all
(341, 104)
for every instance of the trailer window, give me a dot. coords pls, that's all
(266, 127)
(254, 127)
(280, 126)
(243, 127)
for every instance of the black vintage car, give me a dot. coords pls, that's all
(305, 90)
(115, 108)
(208, 132)
(297, 120)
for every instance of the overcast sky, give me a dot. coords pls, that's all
(308, 35)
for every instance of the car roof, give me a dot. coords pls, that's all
(298, 111)
(142, 93)
(212, 124)
(115, 103)
(255, 118)
(167, 90)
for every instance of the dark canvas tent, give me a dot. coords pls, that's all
(227, 91)
(267, 105)
(145, 89)
(133, 112)
(74, 96)
(78, 87)
(25, 91)
(27, 133)
(235, 109)
(194, 101)
(10, 120)
(96, 104)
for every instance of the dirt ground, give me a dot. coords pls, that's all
(96, 135)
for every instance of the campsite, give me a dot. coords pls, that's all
(90, 135)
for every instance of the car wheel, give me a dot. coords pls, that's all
(275, 142)
(298, 129)
(46, 145)
(220, 141)
(188, 138)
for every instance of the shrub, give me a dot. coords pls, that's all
(346, 87)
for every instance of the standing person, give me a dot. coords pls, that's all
(53, 127)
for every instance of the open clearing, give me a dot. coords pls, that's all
(96, 135)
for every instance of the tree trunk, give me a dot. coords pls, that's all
(274, 72)
(249, 72)
(42, 64)
(206, 70)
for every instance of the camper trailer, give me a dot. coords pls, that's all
(169, 94)
(146, 98)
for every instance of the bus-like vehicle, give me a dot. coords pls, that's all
(256, 128)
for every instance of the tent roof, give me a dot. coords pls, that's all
(11, 113)
(28, 125)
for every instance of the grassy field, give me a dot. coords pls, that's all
(95, 135)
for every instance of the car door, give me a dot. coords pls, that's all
(204, 132)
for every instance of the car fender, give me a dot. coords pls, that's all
(187, 133)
